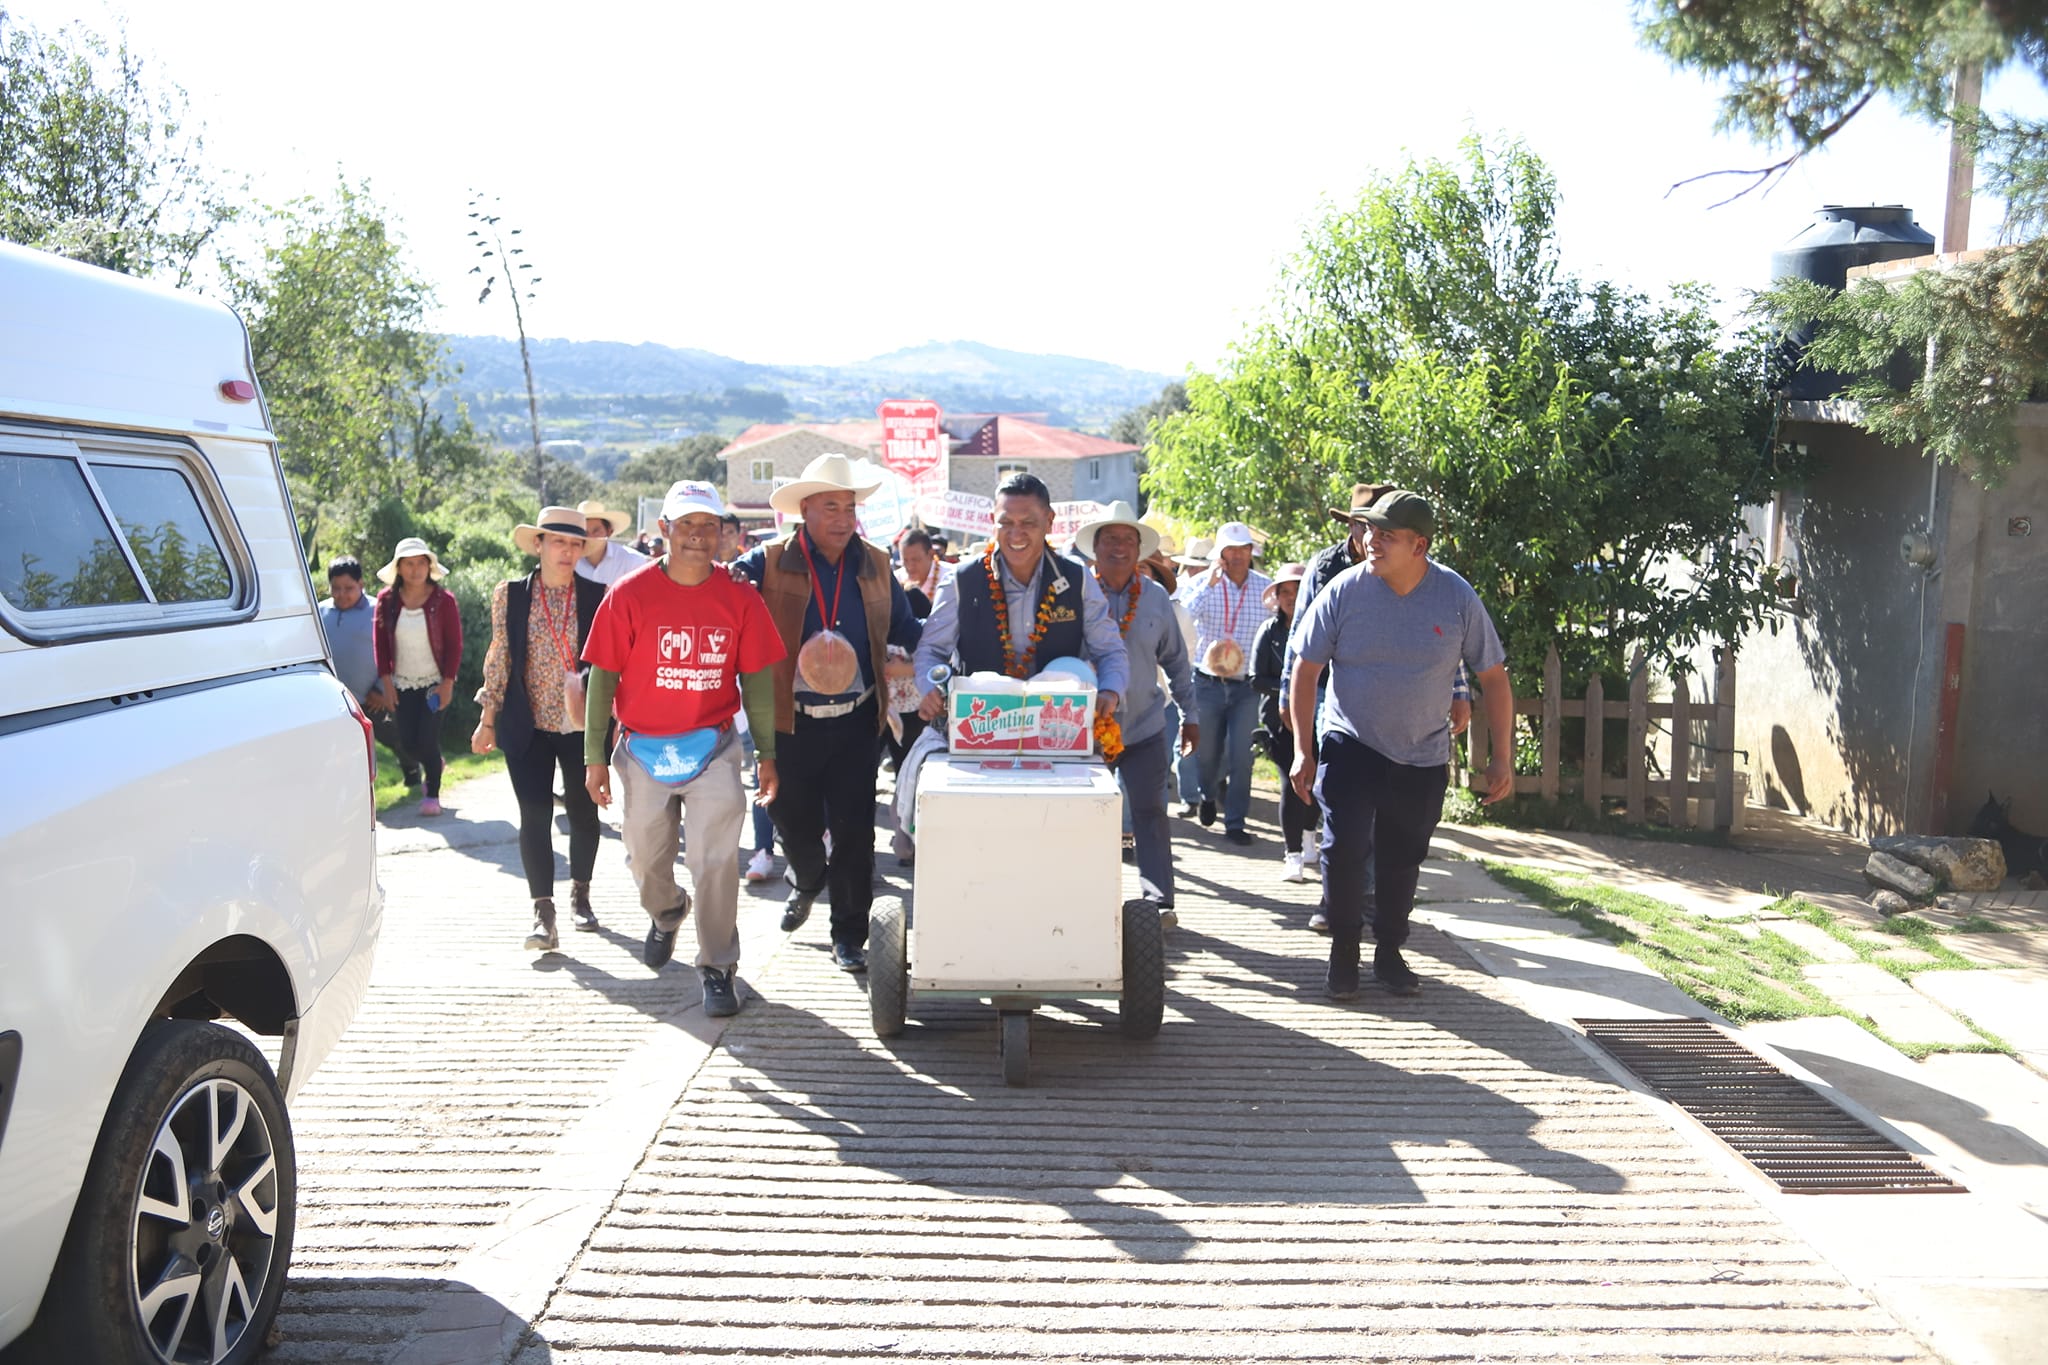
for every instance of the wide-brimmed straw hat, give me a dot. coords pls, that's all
(831, 472)
(594, 510)
(406, 549)
(1287, 573)
(1120, 513)
(1199, 554)
(560, 521)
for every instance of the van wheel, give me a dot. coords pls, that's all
(178, 1247)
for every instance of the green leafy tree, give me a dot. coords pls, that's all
(99, 160)
(693, 457)
(1589, 449)
(1797, 72)
(335, 323)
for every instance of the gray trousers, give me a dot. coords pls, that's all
(1142, 771)
(709, 812)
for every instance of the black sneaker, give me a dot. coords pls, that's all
(848, 958)
(1169, 918)
(1342, 981)
(1240, 837)
(797, 910)
(579, 902)
(661, 943)
(1208, 813)
(1393, 973)
(721, 994)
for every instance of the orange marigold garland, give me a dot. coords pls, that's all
(1109, 736)
(1123, 627)
(1013, 665)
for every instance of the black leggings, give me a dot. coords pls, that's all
(532, 771)
(419, 730)
(1297, 817)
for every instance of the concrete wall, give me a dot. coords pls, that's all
(977, 474)
(1837, 710)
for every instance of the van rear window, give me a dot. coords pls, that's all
(59, 551)
(97, 539)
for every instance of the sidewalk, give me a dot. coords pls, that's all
(559, 1160)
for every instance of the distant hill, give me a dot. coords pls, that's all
(606, 392)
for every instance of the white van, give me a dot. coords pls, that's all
(186, 826)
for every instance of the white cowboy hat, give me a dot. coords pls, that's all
(1199, 553)
(593, 509)
(831, 472)
(1120, 513)
(406, 549)
(560, 521)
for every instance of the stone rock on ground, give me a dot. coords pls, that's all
(1889, 902)
(1965, 864)
(1895, 874)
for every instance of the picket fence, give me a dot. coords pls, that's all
(1698, 784)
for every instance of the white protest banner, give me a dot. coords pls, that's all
(1067, 518)
(968, 514)
(886, 511)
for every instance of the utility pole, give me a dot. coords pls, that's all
(1962, 159)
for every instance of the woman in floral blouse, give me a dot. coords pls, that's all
(532, 701)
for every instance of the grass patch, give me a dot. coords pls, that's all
(1462, 807)
(1916, 932)
(1977, 924)
(1743, 979)
(458, 767)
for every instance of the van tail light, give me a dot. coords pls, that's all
(355, 708)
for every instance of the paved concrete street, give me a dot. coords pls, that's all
(530, 1159)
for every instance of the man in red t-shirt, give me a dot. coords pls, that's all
(675, 650)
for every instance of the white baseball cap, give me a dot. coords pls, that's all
(691, 495)
(1234, 533)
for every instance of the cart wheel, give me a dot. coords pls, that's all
(888, 971)
(1144, 999)
(1015, 1044)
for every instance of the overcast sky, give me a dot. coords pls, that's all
(818, 183)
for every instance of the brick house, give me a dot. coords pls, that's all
(768, 453)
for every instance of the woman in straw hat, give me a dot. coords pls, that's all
(532, 701)
(418, 644)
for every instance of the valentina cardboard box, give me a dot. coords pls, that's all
(1023, 718)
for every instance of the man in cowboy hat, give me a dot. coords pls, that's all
(1324, 567)
(828, 717)
(1391, 633)
(604, 560)
(675, 652)
(1052, 607)
(1118, 542)
(1225, 605)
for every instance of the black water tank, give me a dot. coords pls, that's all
(1839, 238)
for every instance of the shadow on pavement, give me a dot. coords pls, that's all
(391, 1320)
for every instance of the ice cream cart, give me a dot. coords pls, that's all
(1018, 887)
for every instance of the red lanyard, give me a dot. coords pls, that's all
(548, 613)
(1229, 616)
(838, 585)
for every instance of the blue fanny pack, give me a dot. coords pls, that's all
(676, 760)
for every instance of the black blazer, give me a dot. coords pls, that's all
(515, 713)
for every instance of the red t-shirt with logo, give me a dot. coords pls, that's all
(679, 651)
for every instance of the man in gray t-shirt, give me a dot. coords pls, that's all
(1392, 631)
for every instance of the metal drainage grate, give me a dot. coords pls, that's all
(1779, 1125)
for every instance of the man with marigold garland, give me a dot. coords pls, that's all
(1118, 542)
(1019, 606)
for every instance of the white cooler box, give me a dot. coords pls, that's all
(1019, 878)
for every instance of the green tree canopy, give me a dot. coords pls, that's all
(1797, 71)
(98, 159)
(1589, 449)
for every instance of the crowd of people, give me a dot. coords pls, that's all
(651, 673)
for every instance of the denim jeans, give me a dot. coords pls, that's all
(1227, 710)
(1381, 816)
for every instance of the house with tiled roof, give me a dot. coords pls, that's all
(771, 452)
(1077, 467)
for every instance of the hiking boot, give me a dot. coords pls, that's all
(848, 958)
(1393, 973)
(1342, 981)
(797, 910)
(721, 993)
(1290, 869)
(579, 905)
(543, 939)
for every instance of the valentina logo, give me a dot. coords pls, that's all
(985, 722)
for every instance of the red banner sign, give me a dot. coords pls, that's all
(913, 442)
